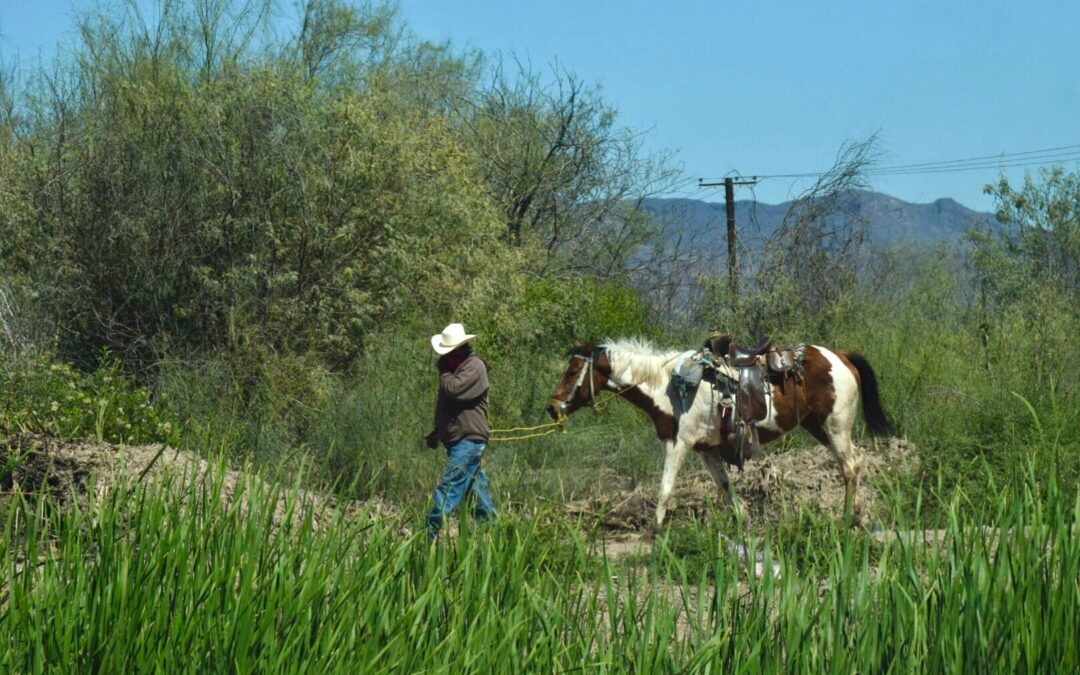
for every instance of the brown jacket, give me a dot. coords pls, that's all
(461, 410)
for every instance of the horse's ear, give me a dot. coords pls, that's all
(574, 339)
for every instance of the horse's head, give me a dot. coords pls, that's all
(586, 374)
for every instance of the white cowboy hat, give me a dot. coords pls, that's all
(452, 337)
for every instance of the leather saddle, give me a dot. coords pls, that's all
(755, 366)
(752, 405)
(747, 356)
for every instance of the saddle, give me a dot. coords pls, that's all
(754, 366)
(742, 356)
(751, 404)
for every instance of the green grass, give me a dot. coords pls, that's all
(169, 578)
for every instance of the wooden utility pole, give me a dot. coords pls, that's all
(729, 199)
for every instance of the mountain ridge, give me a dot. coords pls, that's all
(890, 220)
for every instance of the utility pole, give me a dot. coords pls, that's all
(729, 199)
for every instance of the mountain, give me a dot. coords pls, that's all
(890, 221)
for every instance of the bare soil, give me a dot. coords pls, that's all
(801, 478)
(66, 472)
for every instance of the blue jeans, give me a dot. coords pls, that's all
(461, 475)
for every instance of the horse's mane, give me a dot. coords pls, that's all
(645, 363)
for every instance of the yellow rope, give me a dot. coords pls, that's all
(604, 402)
(521, 438)
(538, 426)
(559, 424)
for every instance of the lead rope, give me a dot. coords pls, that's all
(511, 439)
(552, 427)
(558, 426)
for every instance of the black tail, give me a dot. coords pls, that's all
(876, 420)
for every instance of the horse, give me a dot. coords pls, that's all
(823, 402)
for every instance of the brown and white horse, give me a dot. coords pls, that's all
(824, 403)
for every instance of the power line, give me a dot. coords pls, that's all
(1003, 155)
(681, 188)
(1056, 159)
(1064, 153)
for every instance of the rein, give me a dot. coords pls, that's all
(604, 401)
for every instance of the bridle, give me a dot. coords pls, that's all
(585, 372)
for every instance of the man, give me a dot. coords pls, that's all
(461, 425)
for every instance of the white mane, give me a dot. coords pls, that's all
(637, 361)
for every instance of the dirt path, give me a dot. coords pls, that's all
(68, 470)
(801, 478)
(796, 479)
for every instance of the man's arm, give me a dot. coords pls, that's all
(469, 382)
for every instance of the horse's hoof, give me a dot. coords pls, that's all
(860, 520)
(655, 527)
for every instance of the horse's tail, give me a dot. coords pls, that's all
(876, 420)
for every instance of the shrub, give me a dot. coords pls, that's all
(107, 405)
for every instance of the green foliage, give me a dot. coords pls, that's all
(294, 222)
(293, 214)
(261, 408)
(54, 398)
(361, 432)
(565, 175)
(614, 311)
(952, 387)
(529, 314)
(180, 578)
(200, 183)
(1043, 240)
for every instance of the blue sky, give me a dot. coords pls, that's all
(767, 88)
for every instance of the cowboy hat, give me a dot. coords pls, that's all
(452, 337)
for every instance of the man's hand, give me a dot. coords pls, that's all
(452, 361)
(432, 440)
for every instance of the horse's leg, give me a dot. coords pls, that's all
(832, 433)
(715, 463)
(673, 458)
(850, 460)
(834, 418)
